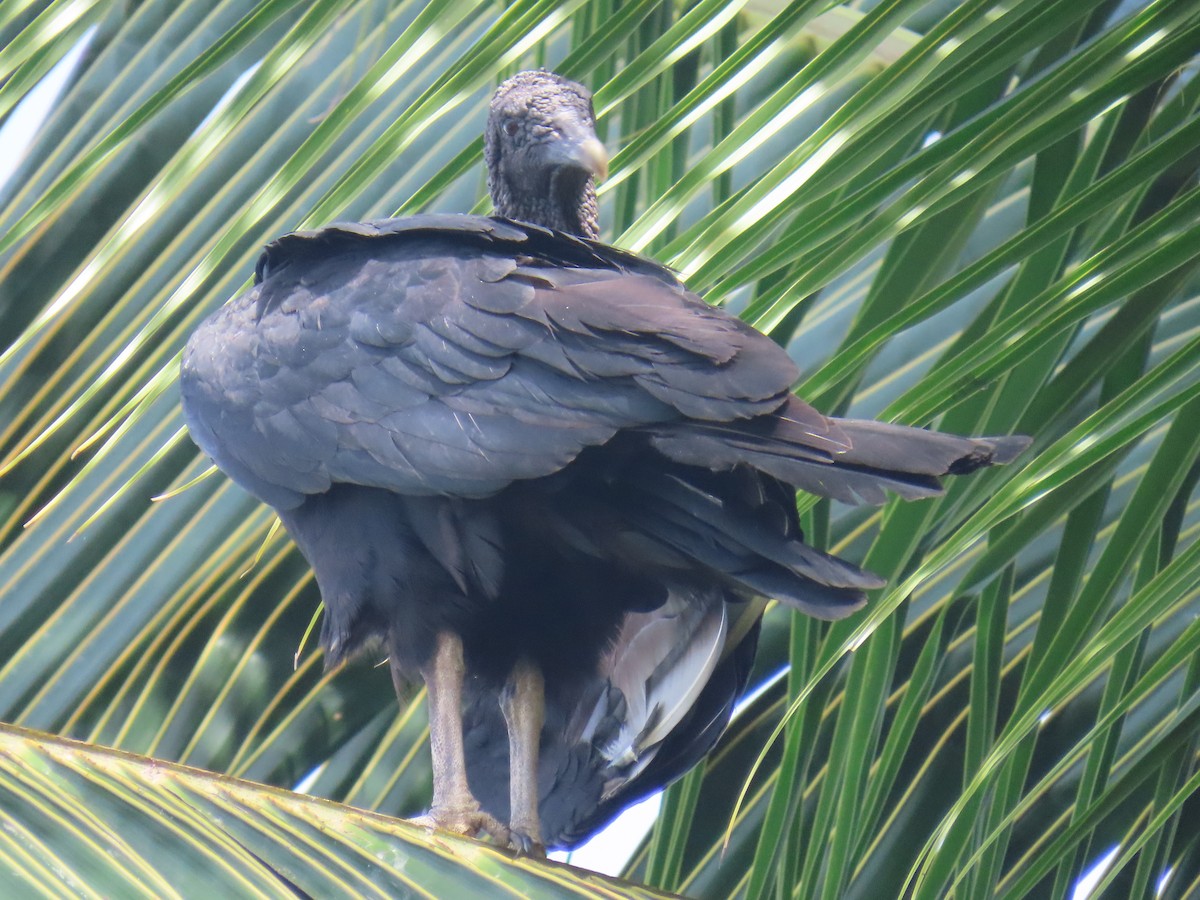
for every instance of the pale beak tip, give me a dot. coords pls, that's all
(594, 157)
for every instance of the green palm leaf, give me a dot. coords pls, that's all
(92, 821)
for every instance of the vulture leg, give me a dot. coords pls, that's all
(455, 808)
(523, 704)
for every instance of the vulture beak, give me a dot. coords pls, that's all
(590, 155)
(581, 149)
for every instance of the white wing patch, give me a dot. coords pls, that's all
(660, 662)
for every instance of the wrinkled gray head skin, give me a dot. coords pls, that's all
(542, 154)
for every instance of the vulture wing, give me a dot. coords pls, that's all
(453, 355)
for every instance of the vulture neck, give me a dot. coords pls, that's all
(568, 205)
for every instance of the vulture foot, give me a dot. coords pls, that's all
(524, 706)
(468, 820)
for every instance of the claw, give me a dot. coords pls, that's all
(524, 845)
(465, 820)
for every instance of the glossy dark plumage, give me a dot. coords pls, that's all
(551, 449)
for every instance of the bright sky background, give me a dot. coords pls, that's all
(18, 131)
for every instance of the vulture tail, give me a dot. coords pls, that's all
(852, 460)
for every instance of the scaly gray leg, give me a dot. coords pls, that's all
(454, 808)
(523, 704)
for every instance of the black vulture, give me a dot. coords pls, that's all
(540, 474)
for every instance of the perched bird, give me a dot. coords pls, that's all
(541, 473)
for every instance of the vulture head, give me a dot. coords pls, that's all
(542, 153)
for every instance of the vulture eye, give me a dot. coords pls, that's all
(511, 127)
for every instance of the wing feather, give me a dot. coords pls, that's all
(454, 355)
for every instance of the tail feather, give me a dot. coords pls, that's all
(852, 460)
(918, 451)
